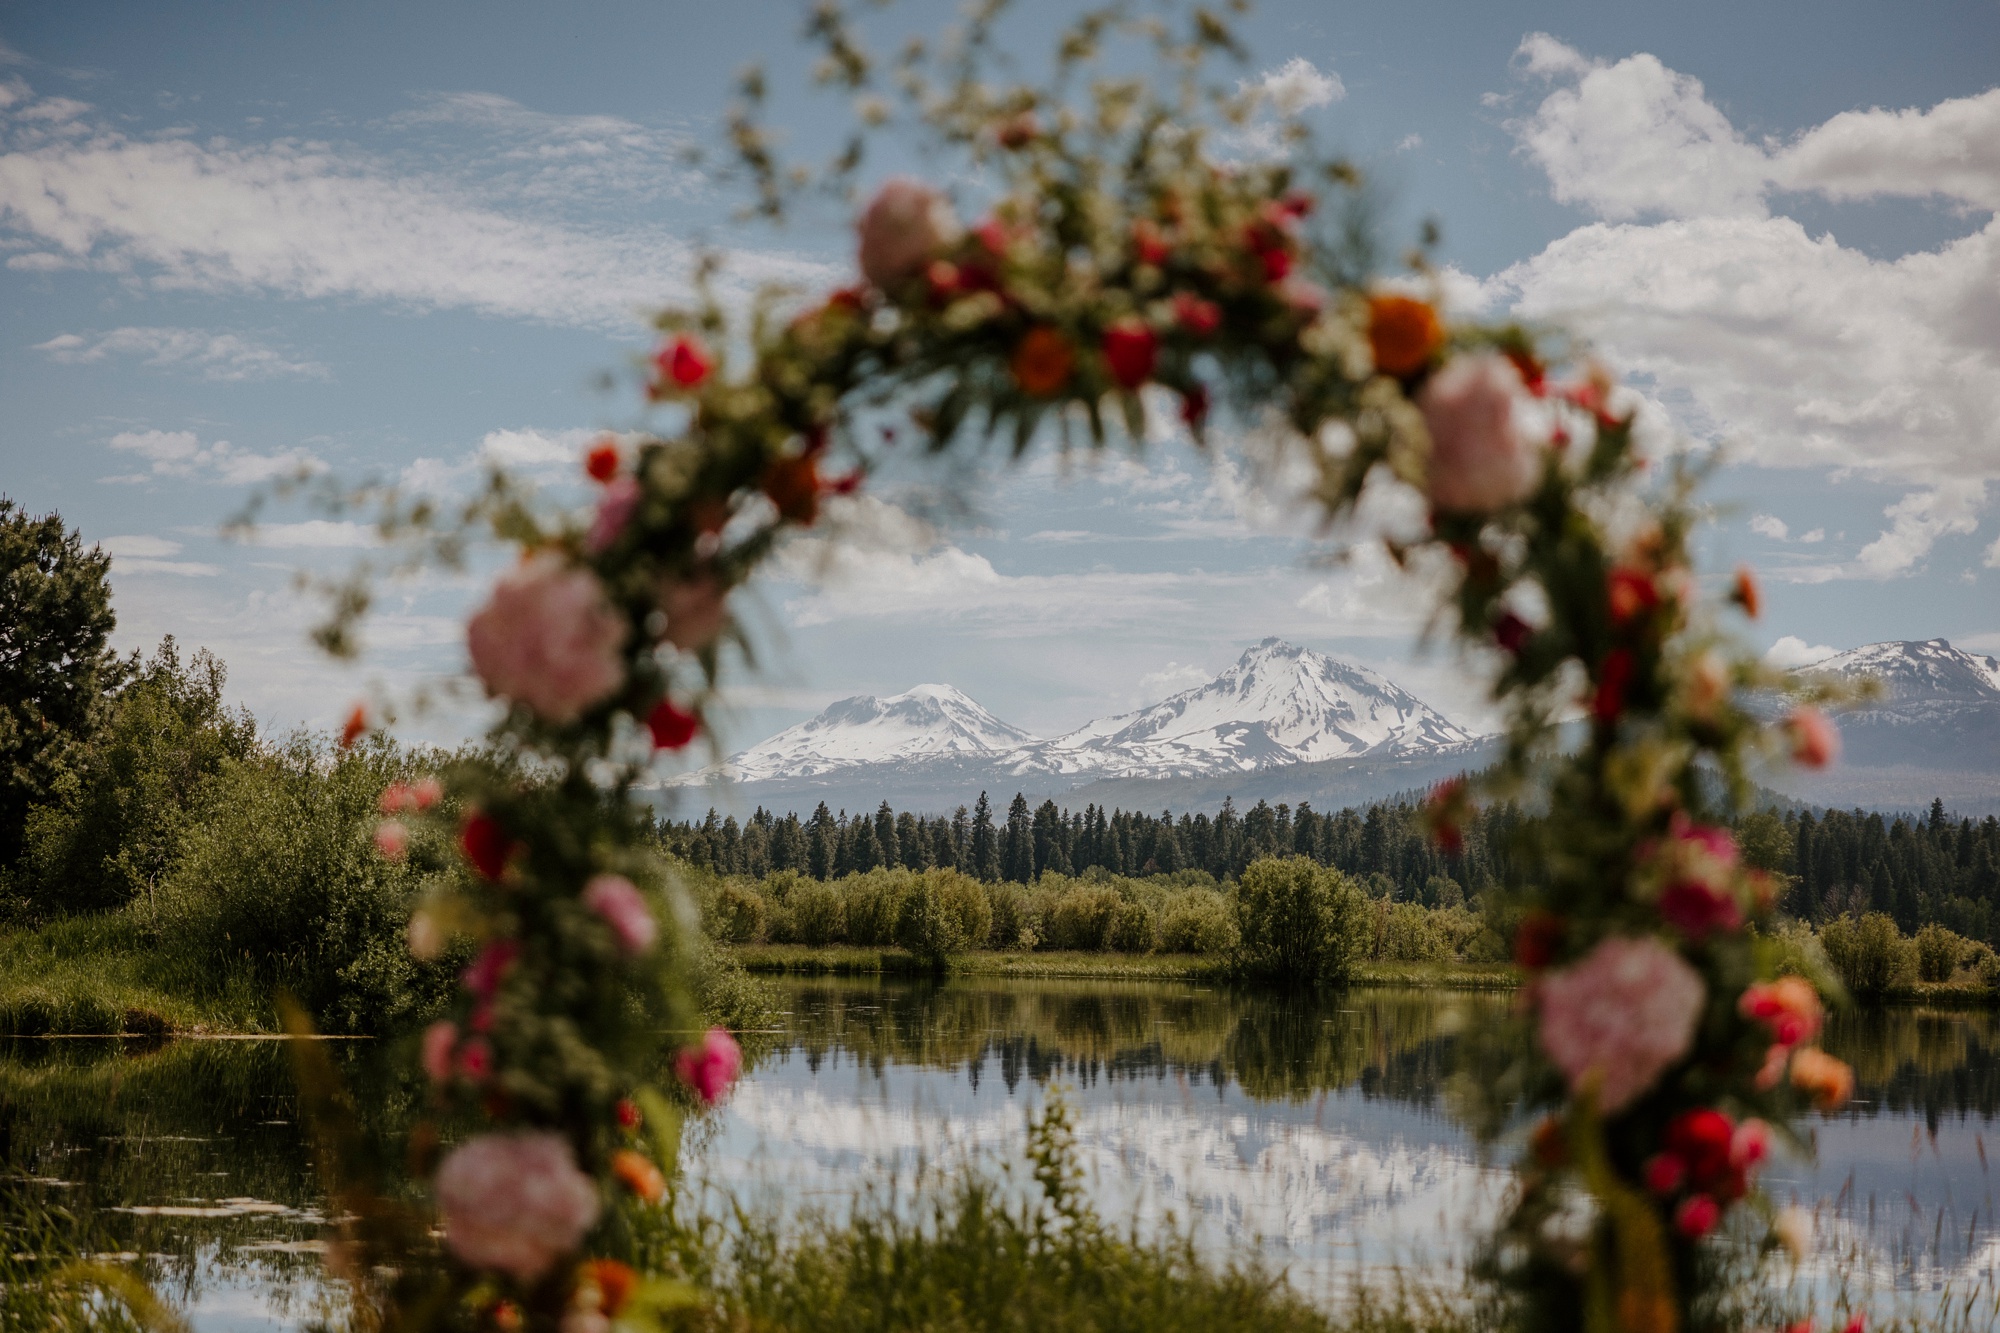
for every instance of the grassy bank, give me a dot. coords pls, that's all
(101, 975)
(851, 960)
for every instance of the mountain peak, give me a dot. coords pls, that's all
(1911, 669)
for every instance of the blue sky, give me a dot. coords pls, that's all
(397, 240)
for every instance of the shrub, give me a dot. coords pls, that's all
(1938, 952)
(1406, 933)
(1133, 929)
(1197, 921)
(737, 914)
(1986, 968)
(966, 897)
(818, 913)
(1016, 923)
(874, 904)
(1080, 917)
(1870, 954)
(930, 924)
(1299, 923)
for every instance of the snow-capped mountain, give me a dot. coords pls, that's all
(1934, 732)
(927, 722)
(1278, 708)
(1278, 705)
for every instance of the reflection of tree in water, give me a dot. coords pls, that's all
(1385, 1043)
(1942, 1063)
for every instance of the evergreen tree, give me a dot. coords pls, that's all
(913, 842)
(820, 843)
(985, 845)
(888, 846)
(1047, 839)
(1017, 846)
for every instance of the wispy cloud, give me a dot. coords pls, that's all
(181, 454)
(140, 554)
(215, 356)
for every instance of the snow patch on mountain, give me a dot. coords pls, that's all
(1912, 670)
(928, 722)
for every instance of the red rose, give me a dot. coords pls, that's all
(1196, 315)
(1614, 677)
(1131, 350)
(1537, 938)
(684, 361)
(672, 727)
(602, 461)
(485, 844)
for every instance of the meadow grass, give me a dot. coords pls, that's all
(102, 974)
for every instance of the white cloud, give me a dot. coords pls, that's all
(1770, 525)
(140, 554)
(313, 220)
(1792, 652)
(217, 356)
(1409, 143)
(1790, 348)
(1917, 521)
(1171, 679)
(1297, 85)
(313, 534)
(1816, 535)
(180, 453)
(1993, 554)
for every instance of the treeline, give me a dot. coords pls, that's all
(1383, 847)
(1915, 870)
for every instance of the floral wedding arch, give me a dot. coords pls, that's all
(1131, 247)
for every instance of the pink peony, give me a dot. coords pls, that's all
(1789, 1006)
(426, 792)
(1479, 461)
(623, 908)
(902, 230)
(392, 839)
(1815, 740)
(614, 510)
(1624, 1012)
(440, 1038)
(712, 1067)
(1749, 1145)
(1699, 865)
(515, 1203)
(1697, 1216)
(547, 638)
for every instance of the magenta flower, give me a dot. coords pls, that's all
(1699, 865)
(1479, 460)
(711, 1068)
(547, 638)
(623, 908)
(903, 228)
(515, 1203)
(1622, 1014)
(614, 511)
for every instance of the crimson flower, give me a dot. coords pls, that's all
(672, 726)
(1131, 350)
(485, 844)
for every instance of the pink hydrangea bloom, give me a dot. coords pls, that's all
(1815, 740)
(392, 839)
(515, 1203)
(614, 511)
(1480, 461)
(547, 638)
(1624, 1012)
(623, 908)
(902, 230)
(440, 1039)
(712, 1067)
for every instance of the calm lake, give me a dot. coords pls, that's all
(1317, 1134)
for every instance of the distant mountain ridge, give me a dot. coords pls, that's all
(1279, 707)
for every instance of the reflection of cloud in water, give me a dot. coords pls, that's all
(1322, 1187)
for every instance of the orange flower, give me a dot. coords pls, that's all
(1403, 332)
(1042, 361)
(602, 460)
(1744, 592)
(638, 1174)
(357, 724)
(1829, 1082)
(1631, 593)
(614, 1282)
(793, 485)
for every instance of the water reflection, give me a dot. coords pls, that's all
(1319, 1132)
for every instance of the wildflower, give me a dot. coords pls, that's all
(794, 487)
(685, 361)
(440, 1040)
(636, 1172)
(1537, 938)
(1149, 243)
(1614, 678)
(711, 1067)
(425, 793)
(1404, 334)
(672, 726)
(1630, 593)
(1699, 862)
(623, 908)
(1479, 461)
(1829, 1082)
(514, 1203)
(1624, 1013)
(601, 463)
(628, 1115)
(614, 1283)
(1042, 361)
(1665, 1173)
(392, 839)
(549, 639)
(395, 798)
(1700, 1140)
(475, 1059)
(1131, 350)
(1196, 315)
(1749, 1145)
(903, 228)
(615, 508)
(1697, 1216)
(1815, 740)
(485, 844)
(1789, 1006)
(355, 727)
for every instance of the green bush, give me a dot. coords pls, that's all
(1406, 933)
(1198, 921)
(1133, 928)
(874, 904)
(737, 913)
(1870, 954)
(818, 913)
(1299, 923)
(1016, 923)
(1938, 952)
(931, 925)
(967, 898)
(1080, 917)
